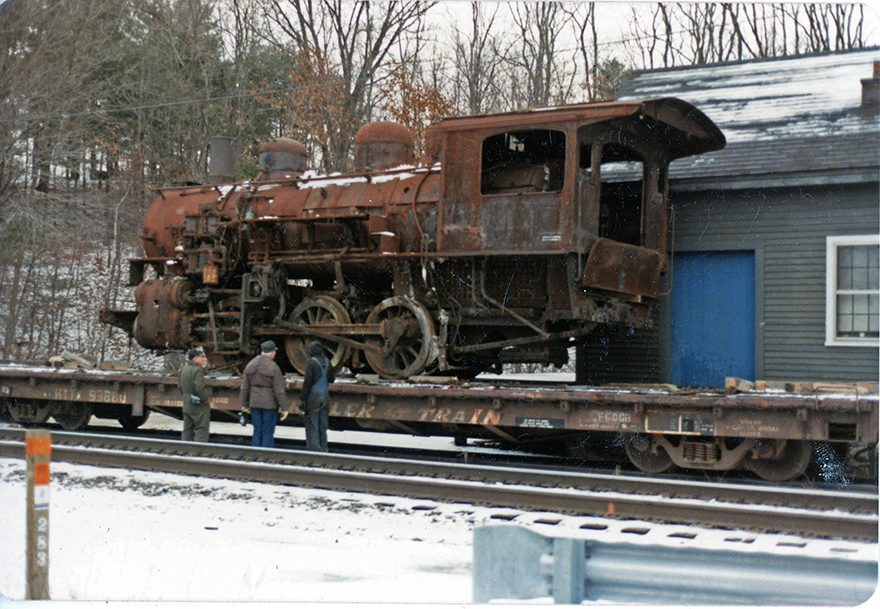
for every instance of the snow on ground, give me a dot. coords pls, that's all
(119, 535)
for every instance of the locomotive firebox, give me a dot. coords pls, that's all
(523, 233)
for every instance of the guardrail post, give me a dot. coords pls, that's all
(508, 563)
(515, 563)
(38, 451)
(569, 571)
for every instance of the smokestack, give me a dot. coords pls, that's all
(871, 90)
(221, 160)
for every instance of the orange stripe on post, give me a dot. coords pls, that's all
(38, 446)
(41, 473)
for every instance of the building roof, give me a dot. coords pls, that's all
(791, 121)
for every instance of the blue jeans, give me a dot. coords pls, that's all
(264, 420)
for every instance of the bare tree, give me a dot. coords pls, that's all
(540, 76)
(695, 33)
(71, 87)
(354, 42)
(583, 17)
(648, 34)
(833, 27)
(312, 107)
(477, 60)
(413, 97)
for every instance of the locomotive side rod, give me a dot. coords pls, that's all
(331, 332)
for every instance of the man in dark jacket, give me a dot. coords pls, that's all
(262, 390)
(196, 406)
(315, 397)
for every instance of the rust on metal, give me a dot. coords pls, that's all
(282, 158)
(383, 145)
(770, 433)
(518, 236)
(163, 318)
(619, 267)
(752, 415)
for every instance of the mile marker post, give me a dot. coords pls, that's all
(38, 452)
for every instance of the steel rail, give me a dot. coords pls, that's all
(493, 487)
(482, 470)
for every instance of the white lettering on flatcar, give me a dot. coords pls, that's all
(106, 396)
(609, 416)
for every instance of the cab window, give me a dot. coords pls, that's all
(528, 161)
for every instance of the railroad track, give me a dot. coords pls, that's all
(814, 513)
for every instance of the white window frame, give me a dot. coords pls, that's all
(832, 246)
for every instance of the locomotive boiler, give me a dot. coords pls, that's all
(518, 236)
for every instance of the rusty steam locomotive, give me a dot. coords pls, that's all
(519, 235)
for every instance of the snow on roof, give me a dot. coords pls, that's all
(781, 115)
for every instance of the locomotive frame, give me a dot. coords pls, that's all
(521, 235)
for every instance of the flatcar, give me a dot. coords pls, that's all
(515, 238)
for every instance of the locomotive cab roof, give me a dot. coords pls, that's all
(688, 130)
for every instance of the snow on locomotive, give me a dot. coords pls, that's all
(521, 234)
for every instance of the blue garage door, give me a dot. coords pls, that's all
(713, 317)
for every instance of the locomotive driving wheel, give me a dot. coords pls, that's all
(406, 343)
(317, 311)
(780, 460)
(646, 454)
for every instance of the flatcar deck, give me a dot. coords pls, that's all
(703, 428)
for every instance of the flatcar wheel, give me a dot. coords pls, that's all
(27, 412)
(407, 338)
(644, 455)
(131, 422)
(72, 416)
(791, 461)
(317, 311)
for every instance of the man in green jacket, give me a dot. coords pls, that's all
(196, 406)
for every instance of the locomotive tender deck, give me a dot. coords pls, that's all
(697, 428)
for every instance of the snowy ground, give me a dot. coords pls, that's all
(119, 535)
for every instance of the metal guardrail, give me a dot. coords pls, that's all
(512, 562)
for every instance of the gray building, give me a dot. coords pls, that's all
(775, 239)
